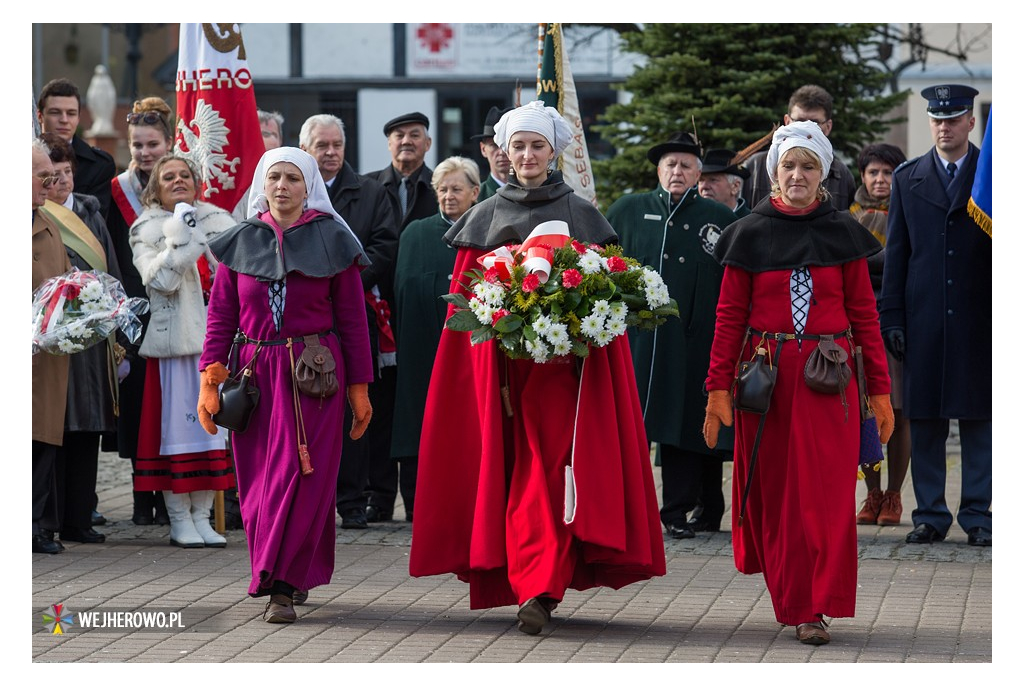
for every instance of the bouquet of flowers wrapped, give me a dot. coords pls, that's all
(553, 296)
(79, 309)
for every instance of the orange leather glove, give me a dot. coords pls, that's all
(719, 411)
(359, 400)
(882, 408)
(210, 379)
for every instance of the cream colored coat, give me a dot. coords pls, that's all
(165, 250)
(49, 372)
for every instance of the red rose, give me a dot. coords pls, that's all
(498, 315)
(571, 278)
(71, 292)
(579, 247)
(491, 275)
(531, 283)
(616, 264)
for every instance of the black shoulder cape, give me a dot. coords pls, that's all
(319, 249)
(768, 240)
(509, 215)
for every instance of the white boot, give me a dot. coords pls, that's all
(202, 500)
(183, 531)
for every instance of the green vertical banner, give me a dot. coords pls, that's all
(556, 88)
(548, 87)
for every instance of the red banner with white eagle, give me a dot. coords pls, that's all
(217, 129)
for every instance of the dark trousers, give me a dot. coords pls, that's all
(688, 478)
(44, 456)
(387, 476)
(354, 470)
(928, 473)
(75, 491)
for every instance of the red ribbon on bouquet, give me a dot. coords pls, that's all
(536, 253)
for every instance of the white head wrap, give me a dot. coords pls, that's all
(799, 134)
(315, 188)
(536, 118)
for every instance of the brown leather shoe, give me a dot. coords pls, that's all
(533, 615)
(868, 513)
(892, 509)
(812, 633)
(299, 597)
(279, 610)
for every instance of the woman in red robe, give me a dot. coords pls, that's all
(796, 269)
(491, 498)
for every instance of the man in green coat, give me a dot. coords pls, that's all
(496, 158)
(673, 229)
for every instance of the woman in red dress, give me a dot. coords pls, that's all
(796, 269)
(491, 502)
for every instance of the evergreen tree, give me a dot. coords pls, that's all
(732, 82)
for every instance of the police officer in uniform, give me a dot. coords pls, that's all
(674, 230)
(936, 314)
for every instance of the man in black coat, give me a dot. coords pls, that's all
(59, 112)
(936, 311)
(807, 103)
(364, 204)
(408, 180)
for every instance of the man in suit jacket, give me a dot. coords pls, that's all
(407, 179)
(59, 111)
(936, 312)
(365, 205)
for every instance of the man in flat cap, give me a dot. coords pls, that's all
(936, 315)
(722, 181)
(674, 230)
(495, 156)
(407, 180)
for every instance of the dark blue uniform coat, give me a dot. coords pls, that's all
(937, 286)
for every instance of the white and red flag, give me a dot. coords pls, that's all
(218, 129)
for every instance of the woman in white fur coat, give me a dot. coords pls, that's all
(169, 249)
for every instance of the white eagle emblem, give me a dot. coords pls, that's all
(202, 142)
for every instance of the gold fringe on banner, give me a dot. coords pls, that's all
(980, 217)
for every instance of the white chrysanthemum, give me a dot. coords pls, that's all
(542, 324)
(483, 311)
(619, 310)
(591, 262)
(616, 326)
(68, 347)
(591, 324)
(601, 307)
(603, 337)
(562, 348)
(93, 290)
(656, 296)
(76, 329)
(491, 293)
(652, 278)
(557, 333)
(537, 349)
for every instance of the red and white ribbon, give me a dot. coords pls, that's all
(537, 251)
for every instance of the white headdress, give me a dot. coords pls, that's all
(799, 134)
(535, 117)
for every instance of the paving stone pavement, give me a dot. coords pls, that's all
(915, 603)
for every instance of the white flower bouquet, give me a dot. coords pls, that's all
(79, 309)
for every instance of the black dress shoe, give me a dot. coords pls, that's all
(98, 519)
(680, 530)
(979, 537)
(353, 519)
(700, 525)
(140, 518)
(86, 535)
(924, 533)
(375, 514)
(40, 545)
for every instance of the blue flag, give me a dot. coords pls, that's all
(980, 204)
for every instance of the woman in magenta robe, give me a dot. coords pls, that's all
(287, 272)
(491, 503)
(797, 267)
